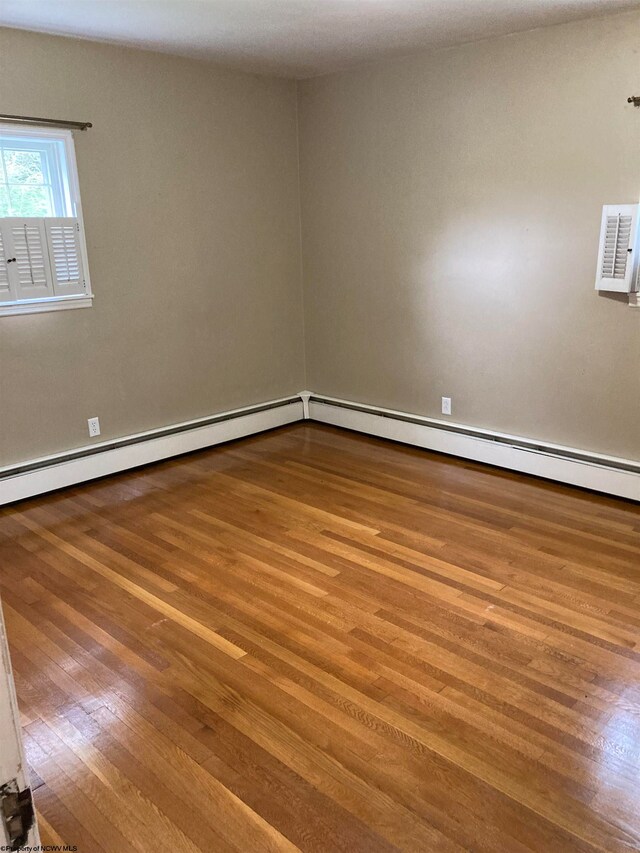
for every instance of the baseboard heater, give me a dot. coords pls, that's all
(45, 474)
(612, 475)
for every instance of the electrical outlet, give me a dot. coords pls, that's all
(94, 427)
(446, 405)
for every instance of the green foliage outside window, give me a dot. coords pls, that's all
(24, 188)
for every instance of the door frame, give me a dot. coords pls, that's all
(15, 786)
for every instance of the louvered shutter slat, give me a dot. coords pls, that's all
(63, 237)
(617, 264)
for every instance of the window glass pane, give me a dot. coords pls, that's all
(30, 201)
(5, 207)
(34, 172)
(24, 167)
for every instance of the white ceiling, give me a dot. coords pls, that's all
(297, 38)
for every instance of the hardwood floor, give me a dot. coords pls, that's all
(313, 640)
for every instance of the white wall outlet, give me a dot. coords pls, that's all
(94, 427)
(446, 405)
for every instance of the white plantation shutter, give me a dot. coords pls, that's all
(63, 239)
(617, 261)
(30, 273)
(41, 258)
(6, 294)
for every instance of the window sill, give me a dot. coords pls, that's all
(37, 306)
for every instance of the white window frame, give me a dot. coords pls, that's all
(55, 303)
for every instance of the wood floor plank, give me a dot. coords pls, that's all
(313, 640)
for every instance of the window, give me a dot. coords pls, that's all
(43, 263)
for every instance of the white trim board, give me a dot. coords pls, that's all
(619, 477)
(98, 460)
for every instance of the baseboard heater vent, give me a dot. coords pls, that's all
(129, 441)
(510, 441)
(611, 475)
(45, 474)
(608, 474)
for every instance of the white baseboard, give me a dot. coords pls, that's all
(97, 460)
(619, 477)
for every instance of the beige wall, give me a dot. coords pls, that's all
(189, 186)
(451, 206)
